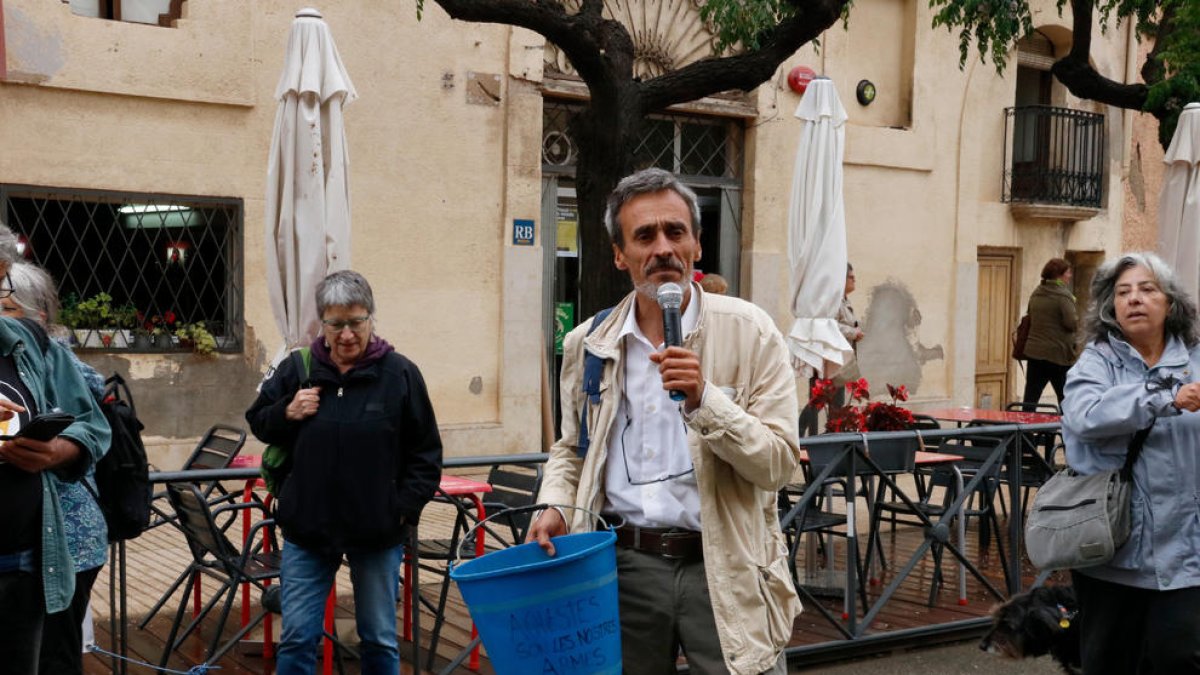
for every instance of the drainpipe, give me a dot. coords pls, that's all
(3, 53)
(1131, 52)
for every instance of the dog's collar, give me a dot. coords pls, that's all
(1065, 616)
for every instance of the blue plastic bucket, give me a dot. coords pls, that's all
(542, 614)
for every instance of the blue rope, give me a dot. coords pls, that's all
(200, 669)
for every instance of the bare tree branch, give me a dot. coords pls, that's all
(583, 38)
(747, 70)
(1075, 70)
(591, 7)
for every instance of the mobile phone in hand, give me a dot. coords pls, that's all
(43, 427)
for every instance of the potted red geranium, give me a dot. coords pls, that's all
(861, 414)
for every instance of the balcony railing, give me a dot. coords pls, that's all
(1053, 156)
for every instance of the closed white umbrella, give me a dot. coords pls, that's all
(817, 231)
(308, 193)
(1179, 204)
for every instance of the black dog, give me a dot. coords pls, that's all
(1040, 621)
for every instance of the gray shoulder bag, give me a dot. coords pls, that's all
(1080, 521)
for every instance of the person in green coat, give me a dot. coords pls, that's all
(1053, 339)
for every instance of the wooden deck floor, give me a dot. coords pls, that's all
(156, 558)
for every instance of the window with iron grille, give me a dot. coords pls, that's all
(700, 150)
(164, 261)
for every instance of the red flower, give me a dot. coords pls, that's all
(821, 393)
(871, 416)
(859, 390)
(169, 318)
(898, 394)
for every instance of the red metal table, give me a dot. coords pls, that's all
(967, 414)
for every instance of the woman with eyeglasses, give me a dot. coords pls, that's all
(366, 456)
(34, 296)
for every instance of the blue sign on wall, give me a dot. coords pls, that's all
(522, 232)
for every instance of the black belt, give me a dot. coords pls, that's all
(668, 542)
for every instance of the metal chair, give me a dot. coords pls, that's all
(215, 450)
(1021, 406)
(1037, 454)
(213, 555)
(976, 453)
(510, 489)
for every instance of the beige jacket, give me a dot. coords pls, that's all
(744, 445)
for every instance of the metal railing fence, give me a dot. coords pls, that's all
(1010, 442)
(1053, 156)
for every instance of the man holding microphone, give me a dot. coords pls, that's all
(685, 431)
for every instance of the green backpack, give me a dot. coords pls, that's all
(277, 459)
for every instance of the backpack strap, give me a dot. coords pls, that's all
(593, 372)
(303, 362)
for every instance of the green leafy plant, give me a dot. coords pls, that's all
(197, 335)
(125, 317)
(95, 312)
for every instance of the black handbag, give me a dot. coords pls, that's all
(1081, 521)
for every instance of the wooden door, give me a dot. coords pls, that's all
(994, 325)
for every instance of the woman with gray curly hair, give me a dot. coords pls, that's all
(1137, 611)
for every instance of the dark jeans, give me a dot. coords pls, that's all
(1039, 373)
(1126, 630)
(22, 609)
(62, 636)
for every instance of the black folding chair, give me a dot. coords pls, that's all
(215, 450)
(214, 556)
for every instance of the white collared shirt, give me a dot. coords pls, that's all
(649, 440)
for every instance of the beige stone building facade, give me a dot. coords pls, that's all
(460, 136)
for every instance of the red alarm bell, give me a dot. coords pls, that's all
(799, 77)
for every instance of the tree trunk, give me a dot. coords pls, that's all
(605, 133)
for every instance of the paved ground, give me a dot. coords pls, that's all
(944, 660)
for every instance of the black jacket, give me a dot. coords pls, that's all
(364, 465)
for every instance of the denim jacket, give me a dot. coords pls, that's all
(54, 382)
(1110, 394)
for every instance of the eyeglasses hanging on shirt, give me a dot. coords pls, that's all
(625, 458)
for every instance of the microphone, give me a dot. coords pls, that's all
(670, 299)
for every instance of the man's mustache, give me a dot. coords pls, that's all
(664, 265)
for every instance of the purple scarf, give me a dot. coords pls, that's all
(377, 348)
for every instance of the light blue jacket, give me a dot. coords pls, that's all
(1110, 395)
(54, 382)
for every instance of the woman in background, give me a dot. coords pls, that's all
(1051, 346)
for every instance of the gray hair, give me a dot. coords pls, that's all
(644, 182)
(344, 289)
(1101, 319)
(8, 246)
(35, 291)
